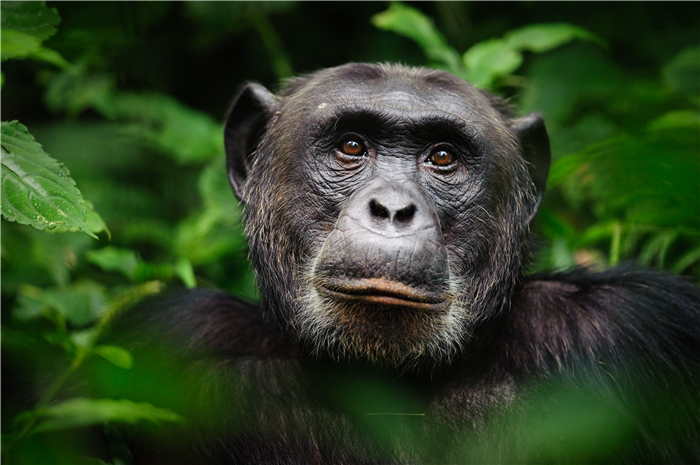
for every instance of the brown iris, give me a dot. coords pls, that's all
(352, 147)
(441, 157)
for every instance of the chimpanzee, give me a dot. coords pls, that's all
(388, 212)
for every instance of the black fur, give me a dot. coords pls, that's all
(618, 349)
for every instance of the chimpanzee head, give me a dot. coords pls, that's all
(387, 207)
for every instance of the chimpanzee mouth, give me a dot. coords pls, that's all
(383, 292)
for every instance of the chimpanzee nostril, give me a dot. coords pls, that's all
(405, 215)
(378, 210)
(389, 208)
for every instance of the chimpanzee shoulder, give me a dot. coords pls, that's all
(206, 321)
(623, 316)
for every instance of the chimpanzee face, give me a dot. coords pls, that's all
(387, 207)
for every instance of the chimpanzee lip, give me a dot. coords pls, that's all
(381, 291)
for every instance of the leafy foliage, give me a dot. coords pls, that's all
(31, 18)
(134, 110)
(486, 61)
(25, 25)
(83, 412)
(36, 189)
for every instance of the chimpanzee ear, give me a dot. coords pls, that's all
(534, 142)
(245, 124)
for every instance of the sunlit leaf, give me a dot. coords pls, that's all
(16, 44)
(115, 355)
(79, 412)
(540, 38)
(36, 189)
(93, 220)
(114, 259)
(413, 24)
(496, 58)
(490, 59)
(676, 119)
(25, 25)
(84, 338)
(183, 269)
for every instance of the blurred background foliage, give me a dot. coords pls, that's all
(130, 97)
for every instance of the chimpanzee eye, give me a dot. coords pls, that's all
(352, 146)
(441, 157)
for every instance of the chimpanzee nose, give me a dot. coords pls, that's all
(390, 207)
(399, 213)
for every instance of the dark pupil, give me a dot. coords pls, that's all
(442, 158)
(352, 147)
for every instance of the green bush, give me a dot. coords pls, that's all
(128, 193)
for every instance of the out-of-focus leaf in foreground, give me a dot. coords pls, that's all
(80, 412)
(36, 189)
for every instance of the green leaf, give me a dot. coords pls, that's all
(92, 219)
(50, 56)
(185, 134)
(497, 58)
(682, 73)
(687, 260)
(207, 235)
(490, 59)
(113, 259)
(79, 304)
(36, 189)
(676, 119)
(116, 355)
(16, 44)
(31, 18)
(84, 338)
(413, 24)
(95, 221)
(74, 91)
(80, 412)
(540, 38)
(183, 270)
